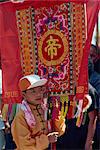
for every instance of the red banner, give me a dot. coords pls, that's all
(10, 46)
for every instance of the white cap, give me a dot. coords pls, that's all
(31, 81)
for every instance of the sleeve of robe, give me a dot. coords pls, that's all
(22, 135)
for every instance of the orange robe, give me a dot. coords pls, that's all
(34, 138)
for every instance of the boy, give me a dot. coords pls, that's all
(29, 128)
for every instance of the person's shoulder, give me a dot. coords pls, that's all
(95, 76)
(97, 66)
(2, 126)
(19, 115)
(95, 81)
(91, 89)
(94, 96)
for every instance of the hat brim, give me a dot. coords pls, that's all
(38, 83)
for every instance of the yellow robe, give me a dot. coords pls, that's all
(34, 138)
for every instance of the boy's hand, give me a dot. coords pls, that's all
(7, 127)
(42, 142)
(53, 137)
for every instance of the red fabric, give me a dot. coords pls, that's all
(92, 9)
(9, 46)
(10, 59)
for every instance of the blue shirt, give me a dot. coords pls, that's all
(2, 126)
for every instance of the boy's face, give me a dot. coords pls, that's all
(35, 95)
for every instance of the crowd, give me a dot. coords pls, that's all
(30, 129)
(87, 136)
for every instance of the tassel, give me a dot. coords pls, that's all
(87, 101)
(79, 114)
(64, 108)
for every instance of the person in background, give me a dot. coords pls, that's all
(9, 144)
(94, 79)
(2, 134)
(95, 56)
(92, 114)
(2, 127)
(30, 127)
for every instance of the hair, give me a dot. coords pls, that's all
(90, 67)
(97, 49)
(94, 46)
(24, 91)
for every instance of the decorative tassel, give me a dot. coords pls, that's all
(82, 107)
(64, 108)
(87, 101)
(79, 114)
(56, 107)
(84, 118)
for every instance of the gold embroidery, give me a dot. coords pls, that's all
(11, 94)
(52, 46)
(80, 89)
(26, 37)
